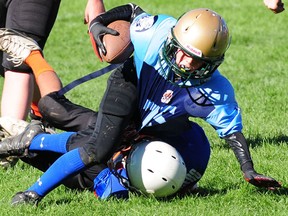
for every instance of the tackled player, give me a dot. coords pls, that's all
(173, 76)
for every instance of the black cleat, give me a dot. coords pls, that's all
(26, 197)
(18, 145)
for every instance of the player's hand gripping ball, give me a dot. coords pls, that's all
(118, 48)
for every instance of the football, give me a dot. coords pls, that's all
(119, 48)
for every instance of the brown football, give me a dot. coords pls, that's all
(119, 48)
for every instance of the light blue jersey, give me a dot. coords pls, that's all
(213, 101)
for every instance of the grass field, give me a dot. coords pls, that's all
(256, 64)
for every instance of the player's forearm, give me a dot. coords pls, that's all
(125, 12)
(240, 148)
(92, 10)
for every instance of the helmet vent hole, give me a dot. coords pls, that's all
(174, 157)
(158, 151)
(150, 170)
(173, 186)
(164, 179)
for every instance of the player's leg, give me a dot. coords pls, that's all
(44, 149)
(16, 98)
(34, 111)
(82, 181)
(115, 114)
(3, 11)
(11, 107)
(37, 27)
(24, 49)
(61, 113)
(85, 179)
(20, 15)
(10, 127)
(118, 107)
(43, 72)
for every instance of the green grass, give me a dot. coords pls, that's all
(256, 64)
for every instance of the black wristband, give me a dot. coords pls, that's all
(240, 148)
(125, 12)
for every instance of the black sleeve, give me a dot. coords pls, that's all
(240, 148)
(125, 12)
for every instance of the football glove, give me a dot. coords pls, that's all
(97, 30)
(107, 185)
(260, 180)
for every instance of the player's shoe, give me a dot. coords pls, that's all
(8, 162)
(17, 45)
(10, 127)
(48, 128)
(188, 190)
(26, 197)
(18, 145)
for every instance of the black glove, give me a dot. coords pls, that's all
(260, 180)
(98, 30)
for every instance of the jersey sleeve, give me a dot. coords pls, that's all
(226, 117)
(148, 34)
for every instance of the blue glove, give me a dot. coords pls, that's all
(107, 185)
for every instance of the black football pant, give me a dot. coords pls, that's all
(98, 133)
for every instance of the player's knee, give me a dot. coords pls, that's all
(54, 109)
(88, 157)
(63, 114)
(9, 65)
(51, 109)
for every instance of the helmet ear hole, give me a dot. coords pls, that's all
(150, 170)
(156, 168)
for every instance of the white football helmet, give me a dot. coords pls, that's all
(156, 168)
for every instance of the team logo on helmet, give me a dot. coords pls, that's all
(167, 96)
(194, 50)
